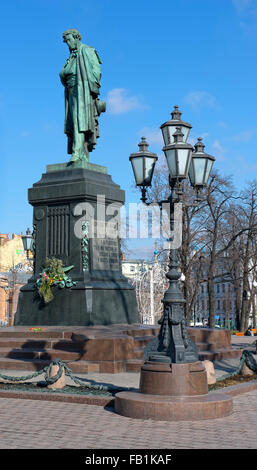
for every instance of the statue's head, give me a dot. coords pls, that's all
(72, 37)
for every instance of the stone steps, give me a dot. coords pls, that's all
(25, 350)
(48, 343)
(219, 354)
(134, 365)
(22, 349)
(114, 349)
(141, 341)
(83, 367)
(144, 331)
(34, 353)
(207, 351)
(16, 332)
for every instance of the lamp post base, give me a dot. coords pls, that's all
(173, 392)
(173, 379)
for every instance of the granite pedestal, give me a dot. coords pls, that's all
(75, 215)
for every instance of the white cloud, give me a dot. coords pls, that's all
(243, 6)
(247, 12)
(153, 136)
(193, 138)
(119, 101)
(218, 150)
(244, 136)
(199, 99)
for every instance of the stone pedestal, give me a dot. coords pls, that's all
(76, 211)
(173, 392)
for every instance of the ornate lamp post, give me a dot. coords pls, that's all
(27, 241)
(173, 344)
(143, 163)
(173, 382)
(169, 127)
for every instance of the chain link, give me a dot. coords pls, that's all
(104, 390)
(247, 357)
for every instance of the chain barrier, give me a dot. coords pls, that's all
(246, 357)
(92, 388)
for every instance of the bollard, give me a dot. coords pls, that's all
(209, 367)
(245, 370)
(60, 383)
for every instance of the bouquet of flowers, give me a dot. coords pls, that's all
(54, 274)
(37, 329)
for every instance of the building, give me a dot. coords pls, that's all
(10, 285)
(225, 308)
(15, 269)
(134, 268)
(11, 252)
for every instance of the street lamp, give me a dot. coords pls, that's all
(173, 381)
(27, 241)
(173, 344)
(200, 166)
(143, 163)
(169, 127)
(178, 155)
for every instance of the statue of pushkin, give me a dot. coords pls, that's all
(81, 76)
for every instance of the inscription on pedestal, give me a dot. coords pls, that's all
(105, 254)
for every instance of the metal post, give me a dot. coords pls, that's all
(151, 297)
(174, 344)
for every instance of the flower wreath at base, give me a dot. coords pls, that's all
(54, 274)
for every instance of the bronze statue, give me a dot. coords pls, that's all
(81, 76)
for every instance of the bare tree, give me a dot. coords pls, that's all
(248, 252)
(223, 224)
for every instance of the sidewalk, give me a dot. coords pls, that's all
(31, 424)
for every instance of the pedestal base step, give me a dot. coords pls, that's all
(169, 408)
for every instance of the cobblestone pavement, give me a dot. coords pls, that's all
(29, 424)
(32, 424)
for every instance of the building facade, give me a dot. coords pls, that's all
(11, 252)
(15, 269)
(10, 285)
(224, 292)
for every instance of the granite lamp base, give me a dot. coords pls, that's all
(173, 392)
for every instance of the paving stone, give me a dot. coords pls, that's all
(94, 427)
(31, 424)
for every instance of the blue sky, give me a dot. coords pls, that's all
(198, 54)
